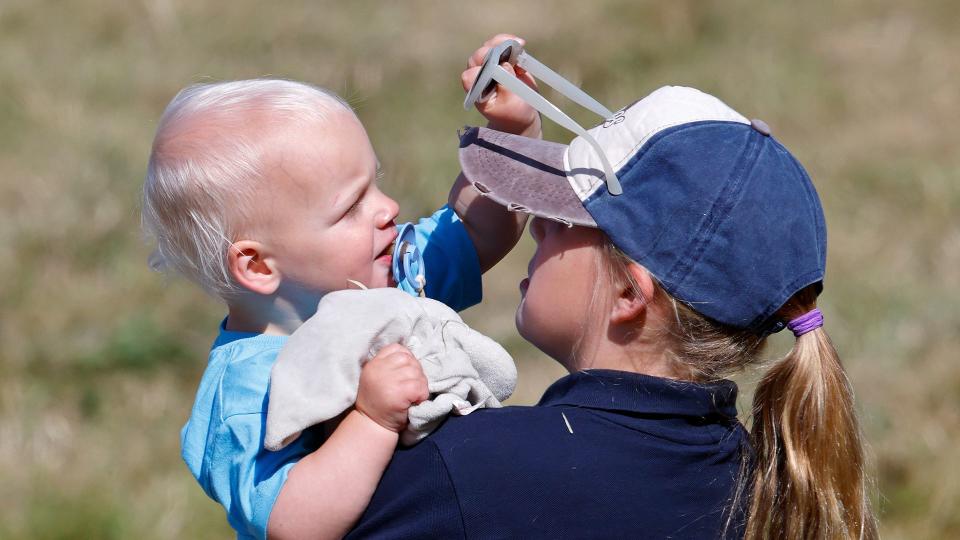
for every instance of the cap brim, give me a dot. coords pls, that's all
(522, 174)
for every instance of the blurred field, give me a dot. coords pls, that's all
(100, 357)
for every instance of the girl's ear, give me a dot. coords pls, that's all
(252, 267)
(633, 300)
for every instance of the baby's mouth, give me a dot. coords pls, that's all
(387, 252)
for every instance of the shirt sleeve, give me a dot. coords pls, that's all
(415, 499)
(450, 261)
(245, 478)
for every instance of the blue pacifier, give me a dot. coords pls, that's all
(407, 264)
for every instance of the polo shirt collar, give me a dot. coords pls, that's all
(637, 393)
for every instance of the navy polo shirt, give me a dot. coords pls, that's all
(605, 454)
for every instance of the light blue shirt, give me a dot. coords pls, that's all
(222, 441)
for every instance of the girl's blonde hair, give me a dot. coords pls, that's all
(205, 162)
(807, 477)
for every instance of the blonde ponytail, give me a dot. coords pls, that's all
(808, 471)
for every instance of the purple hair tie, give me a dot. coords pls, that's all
(806, 322)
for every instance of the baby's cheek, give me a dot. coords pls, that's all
(380, 277)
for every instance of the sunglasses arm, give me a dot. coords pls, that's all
(540, 103)
(565, 87)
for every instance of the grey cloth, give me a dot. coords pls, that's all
(317, 374)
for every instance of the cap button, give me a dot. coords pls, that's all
(760, 126)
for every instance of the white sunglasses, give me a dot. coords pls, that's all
(511, 51)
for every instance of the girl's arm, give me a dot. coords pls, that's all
(328, 490)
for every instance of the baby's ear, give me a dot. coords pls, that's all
(252, 267)
(634, 297)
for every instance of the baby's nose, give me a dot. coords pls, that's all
(388, 212)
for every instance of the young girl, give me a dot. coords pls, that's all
(650, 298)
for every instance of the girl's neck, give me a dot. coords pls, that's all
(653, 363)
(643, 350)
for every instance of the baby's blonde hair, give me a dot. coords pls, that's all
(207, 157)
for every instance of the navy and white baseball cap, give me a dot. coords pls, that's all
(713, 206)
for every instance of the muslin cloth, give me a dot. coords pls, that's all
(317, 373)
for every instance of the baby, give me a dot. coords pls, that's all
(264, 192)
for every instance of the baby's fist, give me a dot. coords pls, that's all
(390, 383)
(504, 110)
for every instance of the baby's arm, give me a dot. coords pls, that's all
(328, 490)
(493, 229)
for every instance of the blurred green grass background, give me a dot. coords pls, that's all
(100, 357)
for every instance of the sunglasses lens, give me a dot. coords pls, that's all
(506, 54)
(491, 86)
(507, 51)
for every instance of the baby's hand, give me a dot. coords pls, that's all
(504, 110)
(390, 383)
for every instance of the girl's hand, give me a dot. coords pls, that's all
(390, 383)
(503, 109)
